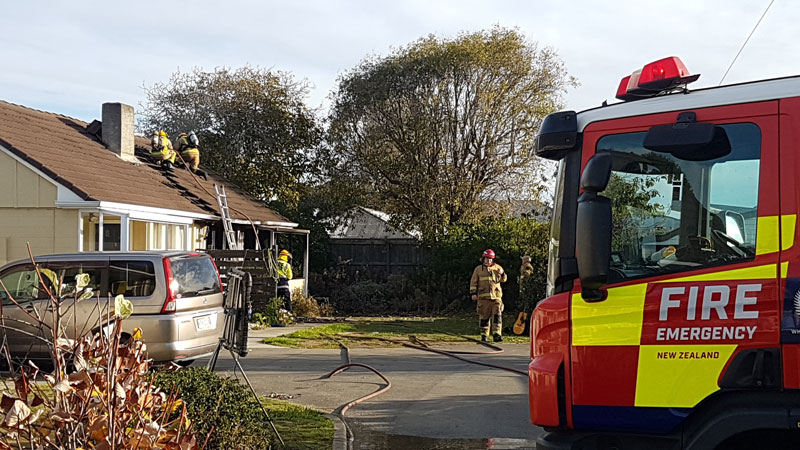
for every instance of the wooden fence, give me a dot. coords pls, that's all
(379, 257)
(253, 262)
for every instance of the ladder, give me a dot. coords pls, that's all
(222, 201)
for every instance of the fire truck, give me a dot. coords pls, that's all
(672, 316)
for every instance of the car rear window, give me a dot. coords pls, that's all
(132, 278)
(195, 276)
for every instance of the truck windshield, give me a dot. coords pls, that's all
(671, 214)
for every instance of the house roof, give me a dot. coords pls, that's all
(365, 223)
(63, 149)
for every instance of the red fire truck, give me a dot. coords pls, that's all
(672, 317)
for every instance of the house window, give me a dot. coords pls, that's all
(100, 231)
(176, 237)
(111, 233)
(157, 236)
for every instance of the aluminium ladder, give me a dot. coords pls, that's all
(222, 201)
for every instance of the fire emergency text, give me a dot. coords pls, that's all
(705, 333)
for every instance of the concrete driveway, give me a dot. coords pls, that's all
(431, 396)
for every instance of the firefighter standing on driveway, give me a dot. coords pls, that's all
(485, 289)
(284, 275)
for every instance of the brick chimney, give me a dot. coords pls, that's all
(117, 133)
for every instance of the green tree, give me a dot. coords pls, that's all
(632, 198)
(253, 125)
(441, 124)
(511, 238)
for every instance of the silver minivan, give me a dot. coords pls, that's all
(176, 295)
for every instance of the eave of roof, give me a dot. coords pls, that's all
(62, 149)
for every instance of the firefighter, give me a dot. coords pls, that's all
(526, 269)
(486, 291)
(525, 303)
(284, 275)
(162, 151)
(188, 148)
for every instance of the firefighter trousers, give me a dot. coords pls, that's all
(490, 316)
(285, 293)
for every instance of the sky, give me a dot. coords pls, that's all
(70, 57)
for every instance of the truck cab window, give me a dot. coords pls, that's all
(671, 214)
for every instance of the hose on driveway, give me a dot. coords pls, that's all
(414, 343)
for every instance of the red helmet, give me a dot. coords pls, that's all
(488, 253)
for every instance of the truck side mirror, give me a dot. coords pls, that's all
(593, 229)
(557, 135)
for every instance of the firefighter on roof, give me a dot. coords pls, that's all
(162, 151)
(284, 275)
(188, 148)
(485, 289)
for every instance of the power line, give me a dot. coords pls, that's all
(745, 42)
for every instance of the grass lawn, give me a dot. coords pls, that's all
(301, 428)
(431, 330)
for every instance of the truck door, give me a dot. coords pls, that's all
(694, 270)
(790, 252)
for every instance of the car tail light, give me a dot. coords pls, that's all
(219, 277)
(170, 303)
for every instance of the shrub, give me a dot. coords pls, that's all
(273, 313)
(66, 410)
(459, 252)
(363, 297)
(442, 285)
(221, 403)
(307, 306)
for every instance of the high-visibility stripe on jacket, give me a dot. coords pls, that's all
(185, 147)
(164, 147)
(485, 282)
(284, 269)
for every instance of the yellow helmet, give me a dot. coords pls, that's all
(284, 255)
(163, 133)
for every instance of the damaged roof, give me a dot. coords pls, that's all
(63, 149)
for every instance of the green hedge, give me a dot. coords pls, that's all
(442, 286)
(221, 403)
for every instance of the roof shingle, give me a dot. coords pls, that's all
(63, 149)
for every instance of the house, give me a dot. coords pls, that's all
(71, 186)
(365, 240)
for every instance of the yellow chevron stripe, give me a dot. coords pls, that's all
(615, 321)
(788, 223)
(767, 235)
(666, 379)
(748, 273)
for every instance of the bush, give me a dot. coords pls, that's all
(459, 252)
(221, 403)
(65, 411)
(442, 285)
(307, 306)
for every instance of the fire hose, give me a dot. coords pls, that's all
(418, 345)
